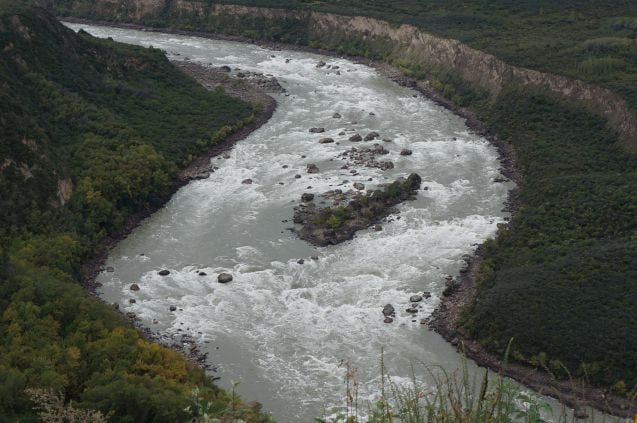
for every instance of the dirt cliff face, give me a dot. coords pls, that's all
(484, 69)
(405, 42)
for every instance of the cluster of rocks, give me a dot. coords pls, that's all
(335, 196)
(326, 226)
(322, 64)
(221, 278)
(267, 83)
(369, 137)
(367, 157)
(389, 312)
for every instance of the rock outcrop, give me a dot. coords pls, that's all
(327, 226)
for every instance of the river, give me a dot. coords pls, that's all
(285, 331)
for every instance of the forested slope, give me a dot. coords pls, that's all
(90, 132)
(562, 278)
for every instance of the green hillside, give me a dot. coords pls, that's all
(90, 132)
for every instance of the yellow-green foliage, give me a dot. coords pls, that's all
(112, 122)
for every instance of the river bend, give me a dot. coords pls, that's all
(285, 330)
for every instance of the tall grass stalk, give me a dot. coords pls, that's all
(456, 397)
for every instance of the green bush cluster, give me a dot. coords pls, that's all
(561, 278)
(115, 123)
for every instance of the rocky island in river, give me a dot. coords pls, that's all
(328, 226)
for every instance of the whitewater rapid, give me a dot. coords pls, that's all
(286, 331)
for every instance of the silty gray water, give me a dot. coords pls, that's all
(285, 330)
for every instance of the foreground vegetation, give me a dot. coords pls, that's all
(444, 396)
(110, 124)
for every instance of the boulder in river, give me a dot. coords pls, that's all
(326, 140)
(356, 138)
(224, 278)
(300, 261)
(337, 116)
(321, 64)
(386, 165)
(406, 152)
(307, 197)
(225, 68)
(247, 181)
(163, 272)
(134, 287)
(415, 298)
(379, 149)
(312, 168)
(172, 308)
(388, 320)
(132, 300)
(359, 186)
(372, 136)
(131, 315)
(202, 273)
(317, 130)
(389, 310)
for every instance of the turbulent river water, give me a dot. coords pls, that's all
(286, 331)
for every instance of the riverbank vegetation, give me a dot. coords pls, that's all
(92, 132)
(561, 278)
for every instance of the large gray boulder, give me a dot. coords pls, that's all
(224, 278)
(389, 310)
(312, 168)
